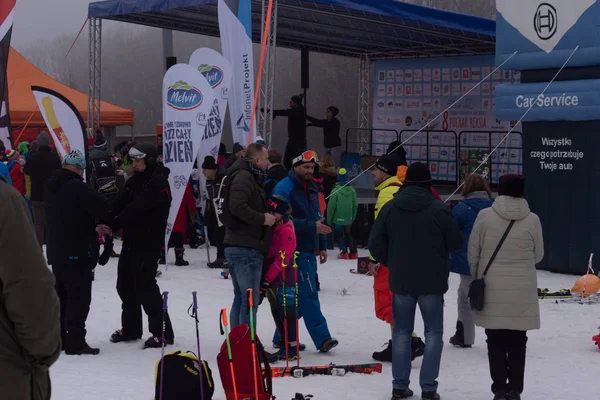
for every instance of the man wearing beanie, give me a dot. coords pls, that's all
(40, 166)
(215, 178)
(413, 235)
(103, 170)
(73, 210)
(296, 116)
(276, 172)
(341, 211)
(331, 132)
(239, 151)
(387, 184)
(299, 190)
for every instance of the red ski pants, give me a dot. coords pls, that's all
(383, 296)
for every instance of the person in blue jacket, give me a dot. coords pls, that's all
(4, 173)
(302, 194)
(477, 196)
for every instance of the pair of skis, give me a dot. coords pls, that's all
(285, 323)
(193, 314)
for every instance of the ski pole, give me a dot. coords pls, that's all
(162, 352)
(285, 321)
(207, 244)
(254, 355)
(295, 266)
(201, 365)
(587, 273)
(224, 319)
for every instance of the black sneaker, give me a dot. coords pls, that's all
(271, 357)
(85, 350)
(384, 355)
(118, 336)
(156, 343)
(513, 395)
(458, 342)
(328, 345)
(501, 396)
(280, 345)
(417, 348)
(218, 263)
(398, 394)
(430, 396)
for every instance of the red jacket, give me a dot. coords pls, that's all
(187, 205)
(17, 177)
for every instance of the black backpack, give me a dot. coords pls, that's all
(104, 176)
(223, 213)
(180, 377)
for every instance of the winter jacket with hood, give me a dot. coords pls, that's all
(342, 206)
(29, 309)
(247, 202)
(511, 300)
(413, 235)
(303, 197)
(284, 239)
(465, 213)
(17, 177)
(40, 166)
(73, 210)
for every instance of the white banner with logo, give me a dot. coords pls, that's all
(237, 48)
(217, 71)
(63, 121)
(187, 102)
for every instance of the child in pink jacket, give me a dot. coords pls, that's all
(284, 239)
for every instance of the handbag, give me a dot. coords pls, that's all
(477, 287)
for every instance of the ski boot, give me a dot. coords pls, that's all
(218, 263)
(280, 345)
(328, 345)
(398, 394)
(458, 339)
(118, 336)
(154, 342)
(292, 353)
(85, 350)
(430, 396)
(384, 355)
(353, 256)
(179, 261)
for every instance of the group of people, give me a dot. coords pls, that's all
(263, 218)
(417, 240)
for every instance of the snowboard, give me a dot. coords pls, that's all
(331, 369)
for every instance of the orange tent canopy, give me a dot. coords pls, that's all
(22, 75)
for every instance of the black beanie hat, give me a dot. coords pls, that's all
(209, 163)
(512, 185)
(100, 140)
(418, 173)
(334, 110)
(237, 147)
(298, 99)
(222, 149)
(388, 164)
(396, 148)
(278, 206)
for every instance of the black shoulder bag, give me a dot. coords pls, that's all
(477, 288)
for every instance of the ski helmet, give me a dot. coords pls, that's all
(146, 151)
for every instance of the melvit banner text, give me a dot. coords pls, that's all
(187, 102)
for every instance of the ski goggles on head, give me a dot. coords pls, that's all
(306, 157)
(135, 154)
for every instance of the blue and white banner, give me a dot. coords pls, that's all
(545, 32)
(562, 101)
(236, 43)
(187, 103)
(217, 71)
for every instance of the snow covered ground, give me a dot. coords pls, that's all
(562, 360)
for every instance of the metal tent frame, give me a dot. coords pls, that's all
(363, 29)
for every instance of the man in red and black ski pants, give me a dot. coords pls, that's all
(387, 184)
(141, 212)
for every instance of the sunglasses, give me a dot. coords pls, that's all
(135, 154)
(307, 156)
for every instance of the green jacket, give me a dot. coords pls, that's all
(248, 203)
(413, 236)
(342, 206)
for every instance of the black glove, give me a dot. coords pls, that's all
(106, 253)
(264, 288)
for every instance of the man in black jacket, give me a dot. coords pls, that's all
(296, 116)
(40, 166)
(238, 152)
(249, 240)
(142, 211)
(331, 133)
(413, 235)
(214, 182)
(276, 171)
(72, 211)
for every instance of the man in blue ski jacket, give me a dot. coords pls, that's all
(299, 190)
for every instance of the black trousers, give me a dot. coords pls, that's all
(281, 314)
(290, 149)
(506, 353)
(74, 290)
(137, 288)
(216, 234)
(349, 239)
(176, 240)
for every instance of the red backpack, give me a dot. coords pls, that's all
(241, 352)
